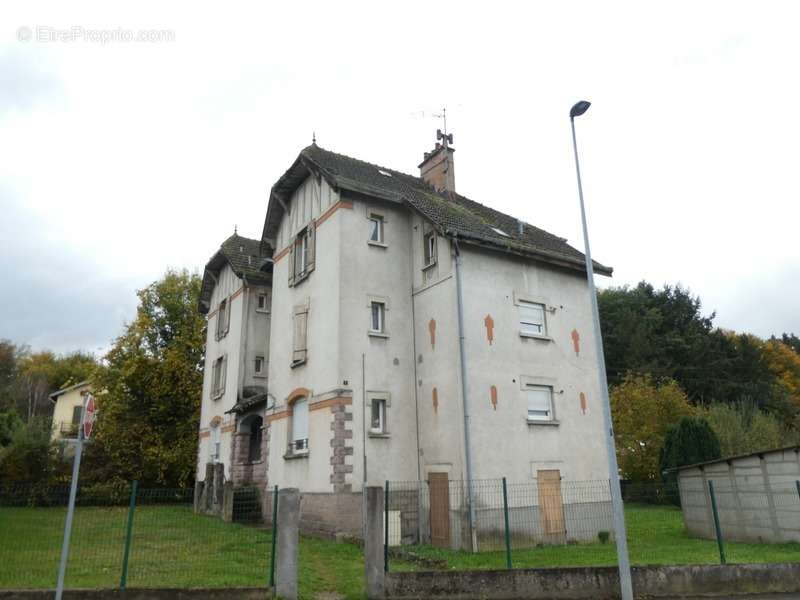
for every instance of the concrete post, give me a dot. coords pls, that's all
(373, 543)
(288, 544)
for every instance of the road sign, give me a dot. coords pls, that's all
(88, 417)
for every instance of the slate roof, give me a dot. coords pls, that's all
(248, 258)
(453, 215)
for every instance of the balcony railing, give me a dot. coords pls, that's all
(68, 429)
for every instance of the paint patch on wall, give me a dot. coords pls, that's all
(576, 341)
(493, 396)
(432, 331)
(488, 321)
(583, 403)
(435, 401)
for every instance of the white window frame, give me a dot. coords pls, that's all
(380, 313)
(380, 222)
(258, 366)
(429, 248)
(265, 297)
(384, 400)
(298, 445)
(533, 387)
(528, 324)
(215, 443)
(383, 332)
(380, 404)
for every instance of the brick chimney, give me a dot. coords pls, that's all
(438, 168)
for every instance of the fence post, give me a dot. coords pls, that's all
(288, 544)
(274, 536)
(505, 518)
(386, 528)
(128, 534)
(374, 571)
(717, 528)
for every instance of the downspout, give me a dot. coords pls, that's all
(463, 361)
(416, 384)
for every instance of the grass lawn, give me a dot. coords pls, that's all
(655, 537)
(173, 547)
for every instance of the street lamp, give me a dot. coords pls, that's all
(616, 493)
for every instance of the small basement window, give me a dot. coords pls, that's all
(261, 303)
(259, 366)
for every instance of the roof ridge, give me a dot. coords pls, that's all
(366, 162)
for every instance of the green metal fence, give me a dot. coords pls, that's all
(560, 523)
(132, 537)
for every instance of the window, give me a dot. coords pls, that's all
(377, 317)
(376, 229)
(302, 259)
(540, 402)
(430, 248)
(259, 366)
(218, 377)
(378, 416)
(300, 336)
(261, 303)
(256, 436)
(77, 413)
(223, 319)
(214, 447)
(531, 318)
(298, 444)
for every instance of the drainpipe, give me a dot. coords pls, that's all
(463, 361)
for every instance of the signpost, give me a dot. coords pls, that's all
(84, 432)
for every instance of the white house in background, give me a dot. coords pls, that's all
(68, 410)
(377, 276)
(236, 297)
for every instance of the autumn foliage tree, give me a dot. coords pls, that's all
(643, 410)
(149, 389)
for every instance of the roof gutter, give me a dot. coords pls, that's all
(464, 399)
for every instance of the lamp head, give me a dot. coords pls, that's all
(579, 108)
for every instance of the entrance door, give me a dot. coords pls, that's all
(440, 509)
(551, 505)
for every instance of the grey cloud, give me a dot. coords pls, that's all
(51, 296)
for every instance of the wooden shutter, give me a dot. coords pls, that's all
(290, 256)
(300, 349)
(312, 246)
(223, 369)
(551, 505)
(228, 315)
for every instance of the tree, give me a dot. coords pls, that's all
(784, 363)
(791, 340)
(742, 428)
(663, 333)
(29, 457)
(643, 410)
(150, 388)
(689, 442)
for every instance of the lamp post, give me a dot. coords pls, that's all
(616, 493)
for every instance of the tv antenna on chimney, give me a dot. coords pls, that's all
(446, 138)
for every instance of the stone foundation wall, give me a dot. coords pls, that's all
(331, 515)
(341, 449)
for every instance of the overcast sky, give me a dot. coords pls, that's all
(121, 159)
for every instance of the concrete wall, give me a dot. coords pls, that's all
(595, 583)
(757, 497)
(142, 594)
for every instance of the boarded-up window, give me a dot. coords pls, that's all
(300, 337)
